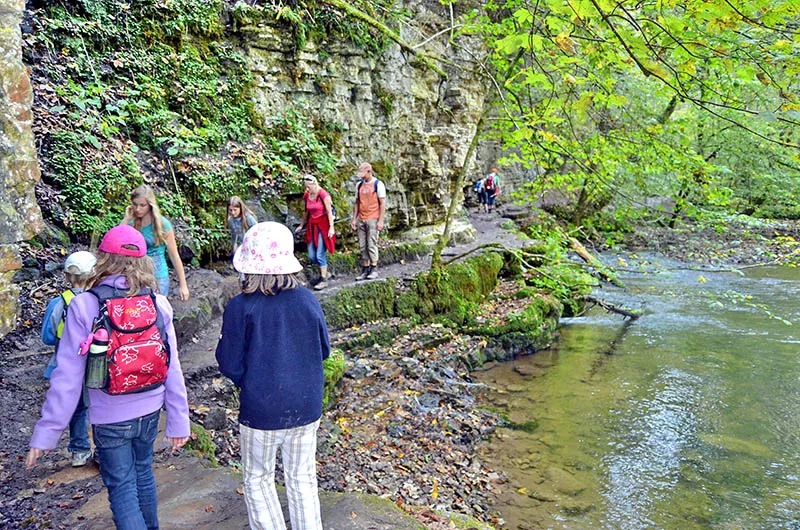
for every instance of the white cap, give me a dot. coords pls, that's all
(80, 263)
(267, 248)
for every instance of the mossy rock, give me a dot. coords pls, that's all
(360, 303)
(333, 369)
(453, 291)
(200, 443)
(382, 335)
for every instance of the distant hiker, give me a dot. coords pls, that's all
(368, 213)
(491, 186)
(145, 216)
(318, 223)
(78, 271)
(274, 339)
(124, 425)
(239, 221)
(481, 193)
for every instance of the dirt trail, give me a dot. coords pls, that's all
(190, 495)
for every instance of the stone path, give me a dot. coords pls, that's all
(192, 495)
(196, 497)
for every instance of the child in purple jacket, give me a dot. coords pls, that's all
(124, 426)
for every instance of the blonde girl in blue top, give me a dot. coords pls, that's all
(144, 215)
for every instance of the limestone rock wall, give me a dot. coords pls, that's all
(391, 110)
(20, 218)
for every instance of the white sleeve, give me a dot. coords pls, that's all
(381, 190)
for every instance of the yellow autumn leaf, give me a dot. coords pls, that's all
(565, 42)
(435, 492)
(523, 491)
(701, 279)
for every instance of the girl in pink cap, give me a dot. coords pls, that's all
(274, 339)
(124, 426)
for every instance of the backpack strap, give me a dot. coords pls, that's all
(107, 292)
(360, 182)
(67, 297)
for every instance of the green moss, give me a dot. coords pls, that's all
(361, 303)
(343, 262)
(318, 22)
(334, 369)
(381, 335)
(386, 100)
(452, 292)
(200, 443)
(165, 94)
(527, 426)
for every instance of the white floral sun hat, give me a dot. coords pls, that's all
(267, 248)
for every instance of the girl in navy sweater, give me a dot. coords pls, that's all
(274, 339)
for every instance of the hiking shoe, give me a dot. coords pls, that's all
(81, 458)
(373, 273)
(321, 285)
(363, 275)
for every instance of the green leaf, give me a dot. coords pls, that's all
(93, 141)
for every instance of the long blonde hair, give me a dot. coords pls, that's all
(146, 192)
(244, 211)
(138, 272)
(269, 284)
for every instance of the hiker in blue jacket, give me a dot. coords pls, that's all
(274, 339)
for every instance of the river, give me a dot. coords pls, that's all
(687, 418)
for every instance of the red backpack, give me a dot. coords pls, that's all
(489, 184)
(138, 350)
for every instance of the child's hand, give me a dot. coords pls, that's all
(33, 455)
(177, 443)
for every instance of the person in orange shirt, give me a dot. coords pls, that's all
(368, 214)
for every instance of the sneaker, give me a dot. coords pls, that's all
(372, 274)
(363, 275)
(321, 285)
(81, 458)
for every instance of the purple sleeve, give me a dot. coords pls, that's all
(66, 381)
(175, 389)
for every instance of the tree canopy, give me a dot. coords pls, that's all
(696, 99)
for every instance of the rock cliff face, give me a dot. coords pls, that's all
(20, 218)
(411, 124)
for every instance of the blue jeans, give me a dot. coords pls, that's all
(317, 253)
(124, 451)
(79, 429)
(163, 286)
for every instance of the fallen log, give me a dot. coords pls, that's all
(603, 271)
(611, 308)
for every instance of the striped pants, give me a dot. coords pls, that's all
(298, 452)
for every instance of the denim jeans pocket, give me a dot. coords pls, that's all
(150, 426)
(112, 435)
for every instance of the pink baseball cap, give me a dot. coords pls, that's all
(267, 248)
(121, 235)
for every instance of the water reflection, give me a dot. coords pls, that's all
(688, 418)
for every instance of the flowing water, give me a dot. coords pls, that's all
(687, 418)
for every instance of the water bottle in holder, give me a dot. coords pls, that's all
(97, 360)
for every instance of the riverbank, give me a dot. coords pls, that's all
(406, 424)
(728, 243)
